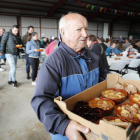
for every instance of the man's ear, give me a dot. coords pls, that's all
(63, 33)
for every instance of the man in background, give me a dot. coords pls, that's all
(8, 47)
(127, 43)
(43, 42)
(25, 39)
(121, 39)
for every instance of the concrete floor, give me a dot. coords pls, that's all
(17, 118)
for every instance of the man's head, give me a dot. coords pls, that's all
(15, 30)
(91, 38)
(100, 40)
(120, 36)
(113, 45)
(30, 29)
(126, 40)
(2, 31)
(73, 28)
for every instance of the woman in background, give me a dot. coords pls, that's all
(32, 48)
(121, 47)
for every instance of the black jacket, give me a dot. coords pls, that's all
(96, 48)
(8, 43)
(104, 46)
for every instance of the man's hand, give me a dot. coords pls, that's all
(1, 54)
(73, 131)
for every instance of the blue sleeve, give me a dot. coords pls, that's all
(119, 51)
(108, 51)
(28, 48)
(48, 84)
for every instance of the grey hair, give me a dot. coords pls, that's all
(63, 22)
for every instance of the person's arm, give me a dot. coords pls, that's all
(4, 42)
(107, 51)
(48, 84)
(28, 48)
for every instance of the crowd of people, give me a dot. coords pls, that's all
(30, 45)
(78, 62)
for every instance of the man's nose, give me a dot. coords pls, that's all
(84, 33)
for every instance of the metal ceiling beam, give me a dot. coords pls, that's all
(60, 2)
(21, 8)
(111, 7)
(2, 1)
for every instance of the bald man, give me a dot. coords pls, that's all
(69, 70)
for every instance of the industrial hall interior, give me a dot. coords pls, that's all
(69, 70)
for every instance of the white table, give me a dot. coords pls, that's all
(122, 58)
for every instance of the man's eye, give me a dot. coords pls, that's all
(86, 29)
(78, 29)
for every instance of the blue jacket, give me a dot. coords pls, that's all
(115, 50)
(30, 48)
(64, 73)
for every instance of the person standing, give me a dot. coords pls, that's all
(121, 39)
(24, 39)
(8, 47)
(32, 47)
(97, 49)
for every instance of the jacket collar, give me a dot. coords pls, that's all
(34, 42)
(72, 52)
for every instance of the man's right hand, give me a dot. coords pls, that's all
(73, 131)
(1, 54)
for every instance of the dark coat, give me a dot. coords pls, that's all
(96, 48)
(8, 43)
(104, 46)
